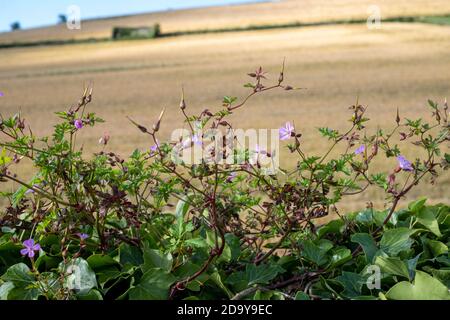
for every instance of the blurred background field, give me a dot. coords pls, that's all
(400, 66)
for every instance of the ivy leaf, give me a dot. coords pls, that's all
(154, 285)
(315, 253)
(427, 218)
(424, 287)
(218, 281)
(261, 274)
(417, 205)
(129, 255)
(79, 276)
(367, 243)
(156, 259)
(24, 294)
(352, 283)
(436, 248)
(396, 240)
(340, 256)
(5, 288)
(19, 274)
(393, 266)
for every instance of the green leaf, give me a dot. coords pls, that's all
(79, 276)
(156, 259)
(19, 274)
(352, 283)
(218, 281)
(442, 275)
(91, 295)
(315, 253)
(367, 243)
(131, 256)
(427, 218)
(393, 266)
(424, 287)
(332, 227)
(396, 240)
(98, 262)
(5, 288)
(340, 256)
(24, 293)
(412, 264)
(261, 274)
(436, 248)
(154, 285)
(9, 254)
(196, 243)
(300, 295)
(417, 205)
(233, 243)
(181, 208)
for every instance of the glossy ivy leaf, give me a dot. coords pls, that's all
(442, 275)
(5, 288)
(129, 255)
(300, 295)
(434, 247)
(218, 281)
(156, 259)
(426, 217)
(393, 266)
(99, 262)
(22, 293)
(417, 205)
(332, 227)
(91, 295)
(79, 276)
(424, 287)
(154, 285)
(339, 256)
(20, 275)
(9, 255)
(352, 283)
(396, 240)
(368, 244)
(316, 254)
(261, 274)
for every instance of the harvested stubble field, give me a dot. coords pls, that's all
(401, 65)
(259, 14)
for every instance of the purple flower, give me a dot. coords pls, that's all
(2, 94)
(78, 124)
(231, 177)
(404, 164)
(361, 149)
(30, 248)
(83, 236)
(286, 131)
(196, 140)
(154, 148)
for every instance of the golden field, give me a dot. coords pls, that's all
(266, 13)
(400, 65)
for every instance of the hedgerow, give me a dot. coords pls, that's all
(153, 226)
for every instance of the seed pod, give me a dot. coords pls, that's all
(158, 123)
(397, 118)
(182, 102)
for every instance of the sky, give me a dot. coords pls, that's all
(33, 13)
